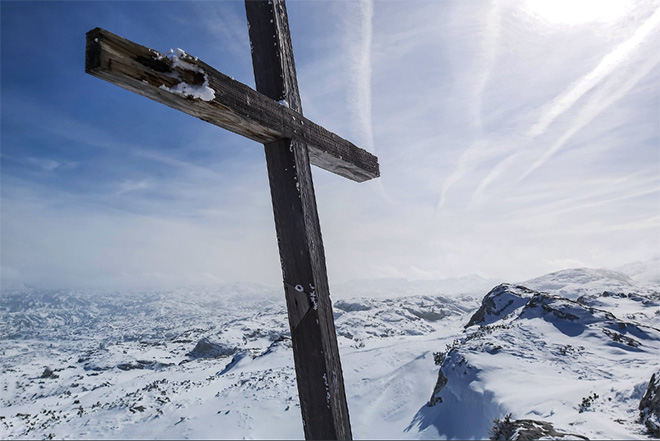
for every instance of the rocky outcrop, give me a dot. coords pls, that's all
(142, 364)
(527, 430)
(515, 325)
(500, 302)
(205, 348)
(49, 373)
(439, 385)
(649, 407)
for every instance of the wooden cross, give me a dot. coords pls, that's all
(271, 115)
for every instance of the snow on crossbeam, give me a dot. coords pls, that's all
(187, 84)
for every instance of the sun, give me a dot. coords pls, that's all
(573, 12)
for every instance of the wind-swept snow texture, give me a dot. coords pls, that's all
(217, 363)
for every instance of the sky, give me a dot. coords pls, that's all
(514, 138)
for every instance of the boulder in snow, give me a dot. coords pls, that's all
(49, 373)
(205, 348)
(507, 429)
(649, 407)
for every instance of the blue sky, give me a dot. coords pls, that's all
(515, 138)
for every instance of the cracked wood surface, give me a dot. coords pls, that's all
(235, 107)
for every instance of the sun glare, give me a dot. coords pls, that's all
(572, 12)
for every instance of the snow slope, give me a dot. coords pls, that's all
(216, 362)
(204, 363)
(580, 360)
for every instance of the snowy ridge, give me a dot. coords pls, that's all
(216, 362)
(646, 273)
(580, 281)
(540, 356)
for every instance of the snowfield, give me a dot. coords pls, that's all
(568, 354)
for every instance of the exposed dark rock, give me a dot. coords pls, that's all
(205, 348)
(499, 302)
(527, 430)
(142, 364)
(439, 385)
(572, 318)
(48, 373)
(560, 307)
(271, 334)
(234, 361)
(620, 338)
(649, 407)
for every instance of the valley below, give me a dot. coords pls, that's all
(568, 354)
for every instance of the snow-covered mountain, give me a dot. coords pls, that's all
(647, 273)
(543, 357)
(216, 362)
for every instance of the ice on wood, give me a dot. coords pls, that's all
(200, 91)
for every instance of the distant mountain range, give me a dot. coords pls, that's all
(570, 353)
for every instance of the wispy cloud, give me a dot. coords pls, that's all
(458, 99)
(595, 195)
(130, 185)
(491, 46)
(50, 165)
(363, 73)
(361, 101)
(612, 79)
(609, 95)
(471, 156)
(608, 64)
(228, 28)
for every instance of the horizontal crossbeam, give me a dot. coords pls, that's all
(187, 84)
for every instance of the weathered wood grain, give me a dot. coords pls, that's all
(316, 354)
(235, 107)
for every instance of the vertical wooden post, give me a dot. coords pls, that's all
(316, 354)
